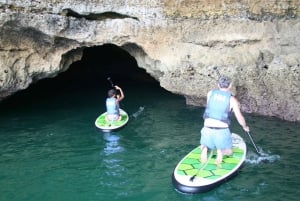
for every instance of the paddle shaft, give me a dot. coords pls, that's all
(217, 71)
(254, 145)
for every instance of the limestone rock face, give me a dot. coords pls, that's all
(178, 42)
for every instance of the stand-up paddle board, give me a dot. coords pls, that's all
(192, 176)
(108, 126)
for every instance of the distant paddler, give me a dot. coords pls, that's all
(115, 95)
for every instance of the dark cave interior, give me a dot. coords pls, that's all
(97, 64)
(88, 75)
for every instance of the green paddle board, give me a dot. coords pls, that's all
(108, 126)
(191, 176)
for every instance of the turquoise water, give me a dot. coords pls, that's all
(51, 150)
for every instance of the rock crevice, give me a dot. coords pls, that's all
(95, 16)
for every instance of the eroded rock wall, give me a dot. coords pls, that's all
(178, 42)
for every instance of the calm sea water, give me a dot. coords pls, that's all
(51, 150)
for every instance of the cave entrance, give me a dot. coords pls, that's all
(87, 76)
(83, 87)
(97, 64)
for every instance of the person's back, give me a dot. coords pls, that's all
(112, 104)
(218, 106)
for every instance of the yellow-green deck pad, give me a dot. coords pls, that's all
(102, 122)
(191, 164)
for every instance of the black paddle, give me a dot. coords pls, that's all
(217, 71)
(254, 145)
(111, 82)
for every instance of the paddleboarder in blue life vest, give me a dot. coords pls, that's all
(112, 104)
(216, 133)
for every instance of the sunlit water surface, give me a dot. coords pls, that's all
(51, 150)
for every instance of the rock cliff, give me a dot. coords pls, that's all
(178, 42)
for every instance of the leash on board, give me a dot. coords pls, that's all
(203, 166)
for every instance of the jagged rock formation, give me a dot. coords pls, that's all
(177, 41)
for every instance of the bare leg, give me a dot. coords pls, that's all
(219, 158)
(220, 153)
(107, 118)
(203, 154)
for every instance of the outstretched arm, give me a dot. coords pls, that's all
(238, 114)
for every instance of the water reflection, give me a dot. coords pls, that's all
(112, 158)
(112, 143)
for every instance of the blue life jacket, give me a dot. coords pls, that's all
(112, 106)
(218, 106)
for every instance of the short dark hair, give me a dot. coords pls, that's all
(111, 92)
(224, 82)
